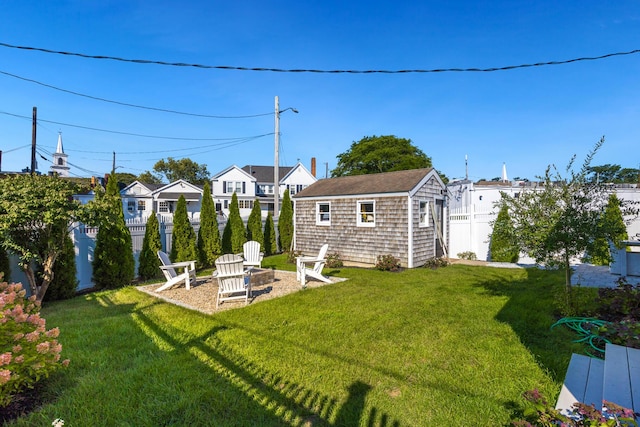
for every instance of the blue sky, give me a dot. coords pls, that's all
(527, 118)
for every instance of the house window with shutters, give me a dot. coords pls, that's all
(323, 213)
(366, 215)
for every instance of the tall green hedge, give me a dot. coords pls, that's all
(270, 244)
(183, 239)
(148, 261)
(611, 225)
(254, 225)
(504, 243)
(65, 279)
(238, 231)
(209, 243)
(113, 263)
(285, 223)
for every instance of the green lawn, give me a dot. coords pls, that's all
(450, 347)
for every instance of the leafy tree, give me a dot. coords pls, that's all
(560, 220)
(504, 242)
(614, 174)
(185, 168)
(613, 228)
(113, 263)
(148, 261)
(5, 266)
(35, 214)
(375, 154)
(209, 244)
(65, 280)
(125, 178)
(270, 242)
(149, 178)
(285, 223)
(183, 239)
(254, 225)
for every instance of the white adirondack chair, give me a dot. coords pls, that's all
(233, 283)
(302, 271)
(173, 278)
(251, 254)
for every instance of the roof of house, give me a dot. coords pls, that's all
(388, 182)
(265, 173)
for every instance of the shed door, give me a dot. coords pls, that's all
(439, 220)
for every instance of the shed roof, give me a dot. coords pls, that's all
(387, 182)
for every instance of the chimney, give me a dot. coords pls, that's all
(313, 166)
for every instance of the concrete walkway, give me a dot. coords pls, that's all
(597, 276)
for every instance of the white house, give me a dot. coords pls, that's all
(139, 199)
(253, 182)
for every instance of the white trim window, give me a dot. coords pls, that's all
(142, 205)
(131, 205)
(366, 213)
(163, 207)
(424, 213)
(323, 213)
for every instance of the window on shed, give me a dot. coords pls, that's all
(424, 213)
(323, 213)
(366, 214)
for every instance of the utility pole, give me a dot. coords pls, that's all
(276, 168)
(33, 140)
(113, 166)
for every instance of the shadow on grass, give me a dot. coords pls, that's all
(530, 312)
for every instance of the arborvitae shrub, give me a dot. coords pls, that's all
(65, 280)
(209, 244)
(254, 225)
(238, 231)
(183, 239)
(285, 223)
(504, 243)
(148, 261)
(113, 263)
(270, 245)
(612, 225)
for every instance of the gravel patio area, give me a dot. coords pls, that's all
(265, 285)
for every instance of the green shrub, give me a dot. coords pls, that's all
(28, 351)
(387, 263)
(183, 238)
(5, 266)
(611, 225)
(148, 261)
(209, 243)
(254, 225)
(292, 255)
(619, 303)
(238, 233)
(65, 279)
(436, 262)
(285, 223)
(468, 255)
(270, 242)
(113, 263)
(334, 260)
(504, 242)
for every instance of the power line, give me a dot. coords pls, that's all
(122, 133)
(319, 71)
(131, 105)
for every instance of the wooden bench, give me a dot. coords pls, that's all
(615, 379)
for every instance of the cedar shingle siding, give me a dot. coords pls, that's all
(392, 192)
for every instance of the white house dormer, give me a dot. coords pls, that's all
(59, 165)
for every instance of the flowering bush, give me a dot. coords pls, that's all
(387, 263)
(542, 414)
(28, 352)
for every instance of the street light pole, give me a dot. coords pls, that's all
(276, 166)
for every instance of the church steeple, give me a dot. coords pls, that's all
(59, 166)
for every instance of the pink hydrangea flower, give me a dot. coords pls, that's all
(17, 348)
(5, 359)
(43, 347)
(53, 333)
(5, 376)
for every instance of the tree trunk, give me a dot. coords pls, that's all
(567, 278)
(47, 275)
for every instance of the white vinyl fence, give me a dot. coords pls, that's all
(469, 231)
